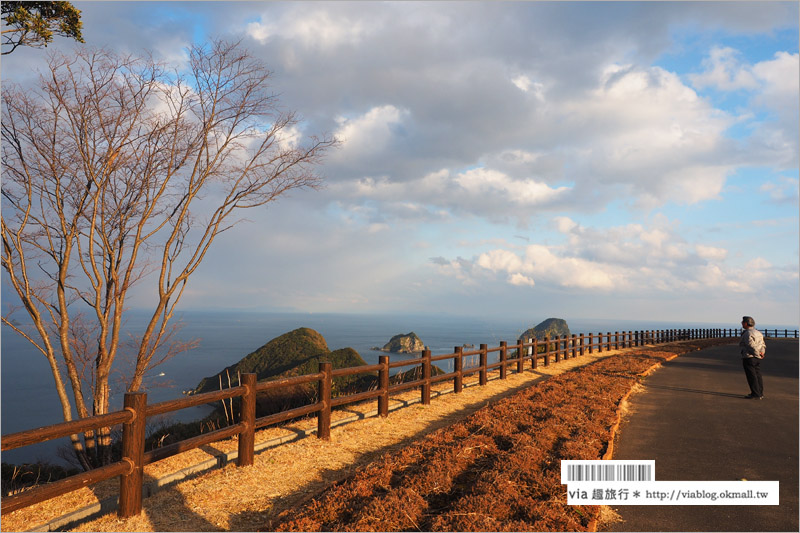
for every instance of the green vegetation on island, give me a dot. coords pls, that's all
(292, 354)
(295, 353)
(552, 328)
(404, 343)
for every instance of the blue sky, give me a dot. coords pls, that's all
(632, 160)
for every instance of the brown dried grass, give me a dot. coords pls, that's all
(286, 476)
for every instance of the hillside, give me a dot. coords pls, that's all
(294, 353)
(497, 469)
(552, 327)
(286, 476)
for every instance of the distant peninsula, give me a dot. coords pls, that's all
(404, 343)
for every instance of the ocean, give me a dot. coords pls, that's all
(29, 399)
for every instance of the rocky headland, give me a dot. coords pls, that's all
(552, 327)
(404, 343)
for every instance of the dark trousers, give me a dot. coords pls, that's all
(753, 373)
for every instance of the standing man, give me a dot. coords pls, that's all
(753, 350)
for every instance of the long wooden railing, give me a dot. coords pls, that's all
(135, 410)
(777, 334)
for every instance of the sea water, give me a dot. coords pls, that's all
(29, 399)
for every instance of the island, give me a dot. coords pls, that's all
(295, 353)
(404, 343)
(552, 328)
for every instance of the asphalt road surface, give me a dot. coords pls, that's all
(693, 421)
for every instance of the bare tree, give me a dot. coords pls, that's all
(119, 171)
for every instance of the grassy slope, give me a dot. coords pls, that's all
(499, 469)
(294, 353)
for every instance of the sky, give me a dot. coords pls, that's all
(629, 160)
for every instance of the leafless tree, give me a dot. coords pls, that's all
(120, 171)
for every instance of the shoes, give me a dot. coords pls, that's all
(754, 397)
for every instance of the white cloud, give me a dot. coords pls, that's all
(527, 85)
(319, 29)
(452, 116)
(487, 183)
(783, 190)
(520, 280)
(781, 78)
(565, 224)
(369, 133)
(780, 93)
(627, 259)
(758, 263)
(289, 137)
(711, 253)
(772, 85)
(645, 130)
(542, 262)
(439, 195)
(724, 71)
(503, 261)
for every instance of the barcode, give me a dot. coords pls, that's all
(576, 471)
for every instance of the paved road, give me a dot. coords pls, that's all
(692, 420)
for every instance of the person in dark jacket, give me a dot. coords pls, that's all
(752, 348)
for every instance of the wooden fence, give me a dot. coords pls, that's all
(136, 411)
(776, 333)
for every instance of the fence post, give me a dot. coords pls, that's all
(133, 434)
(583, 338)
(484, 357)
(535, 352)
(383, 383)
(503, 358)
(458, 363)
(520, 356)
(325, 387)
(557, 345)
(591, 343)
(574, 345)
(426, 377)
(547, 350)
(247, 414)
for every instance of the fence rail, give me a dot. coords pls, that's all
(136, 411)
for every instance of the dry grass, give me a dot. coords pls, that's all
(245, 499)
